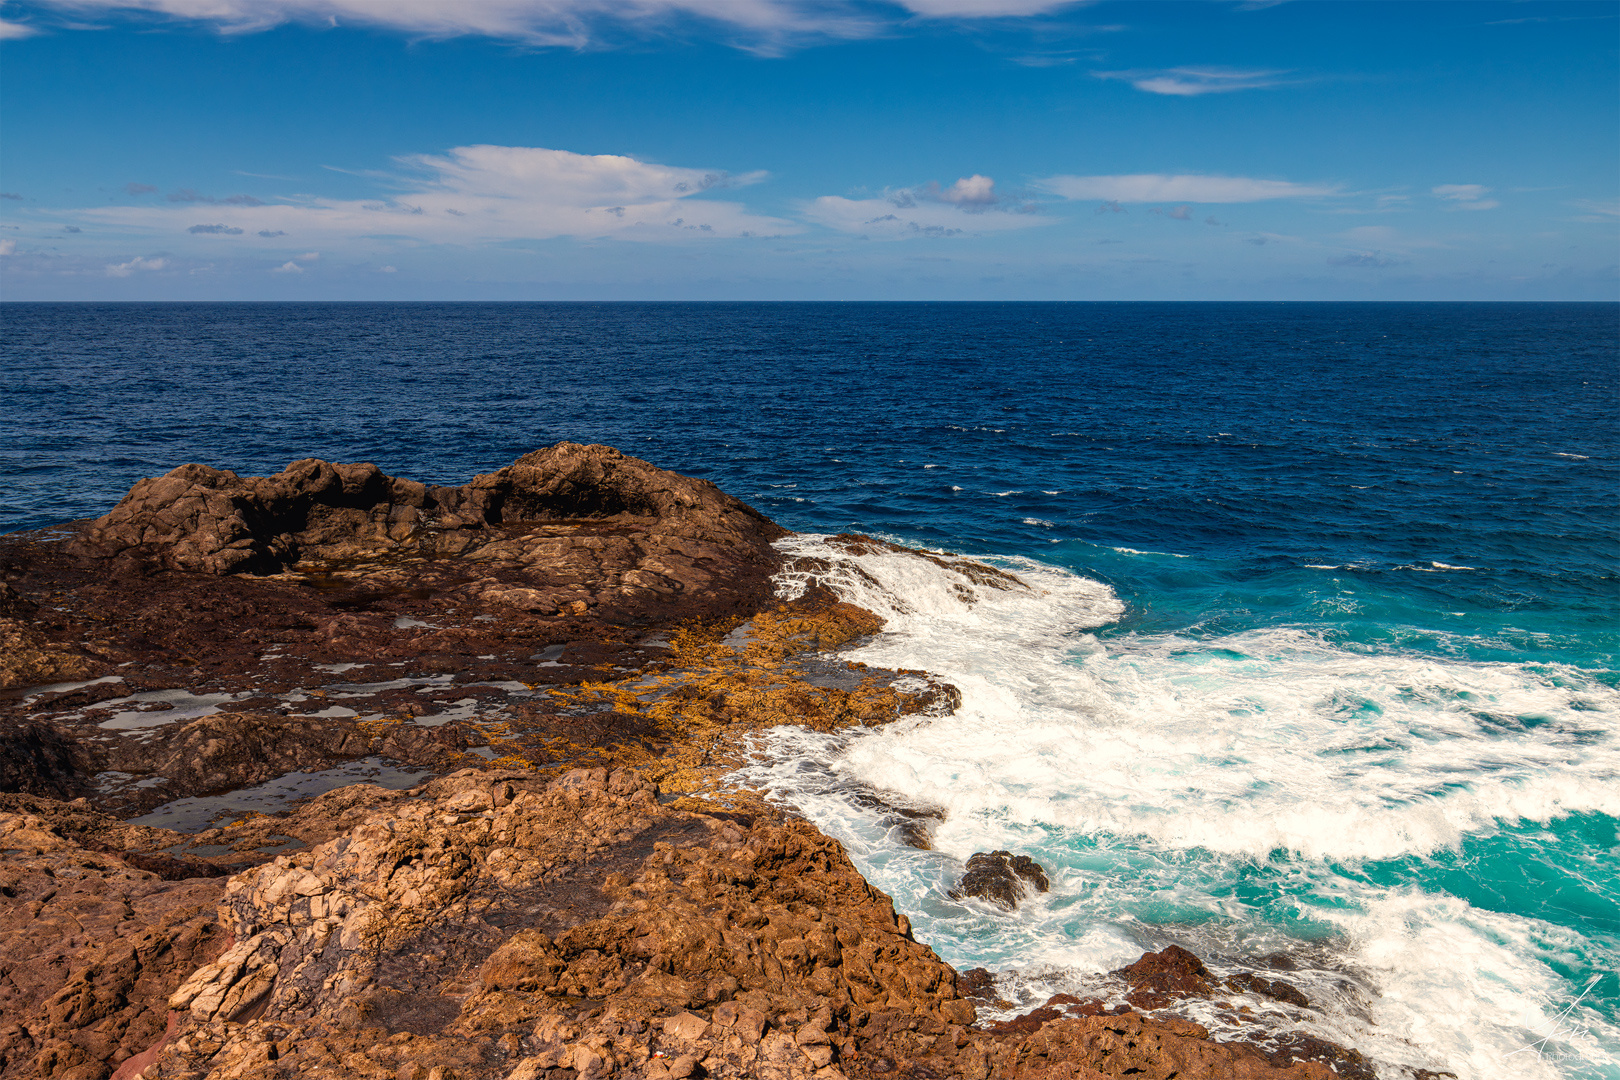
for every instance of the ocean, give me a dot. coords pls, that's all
(1316, 666)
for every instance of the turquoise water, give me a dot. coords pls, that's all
(1319, 658)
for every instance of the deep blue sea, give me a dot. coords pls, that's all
(1318, 656)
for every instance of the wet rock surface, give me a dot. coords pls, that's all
(1002, 878)
(546, 672)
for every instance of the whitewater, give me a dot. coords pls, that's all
(1247, 794)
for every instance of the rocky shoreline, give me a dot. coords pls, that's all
(332, 773)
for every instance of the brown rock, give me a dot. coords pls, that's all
(29, 658)
(1159, 978)
(211, 520)
(1001, 877)
(91, 947)
(582, 929)
(40, 759)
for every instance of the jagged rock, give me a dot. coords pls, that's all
(499, 926)
(1001, 877)
(502, 924)
(1275, 989)
(38, 758)
(1159, 978)
(13, 604)
(28, 658)
(211, 520)
(755, 944)
(90, 949)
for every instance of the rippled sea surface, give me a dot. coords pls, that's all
(1318, 658)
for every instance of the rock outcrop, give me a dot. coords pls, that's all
(1001, 877)
(213, 521)
(169, 670)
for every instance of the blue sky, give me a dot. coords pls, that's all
(779, 149)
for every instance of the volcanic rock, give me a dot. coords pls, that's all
(519, 928)
(211, 520)
(1001, 877)
(1159, 978)
(90, 949)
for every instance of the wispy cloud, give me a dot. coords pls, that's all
(128, 268)
(756, 25)
(8, 247)
(1374, 259)
(186, 195)
(1599, 210)
(13, 31)
(1190, 188)
(970, 205)
(491, 194)
(133, 188)
(982, 9)
(1465, 196)
(288, 267)
(1194, 81)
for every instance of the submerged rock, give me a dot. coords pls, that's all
(1002, 878)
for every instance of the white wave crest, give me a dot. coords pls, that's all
(1149, 770)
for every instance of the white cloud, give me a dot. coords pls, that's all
(1465, 196)
(1194, 81)
(970, 205)
(760, 25)
(308, 256)
(972, 190)
(8, 247)
(566, 178)
(1157, 187)
(388, 270)
(288, 267)
(137, 263)
(493, 194)
(979, 9)
(12, 31)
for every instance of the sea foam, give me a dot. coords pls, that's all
(1215, 791)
